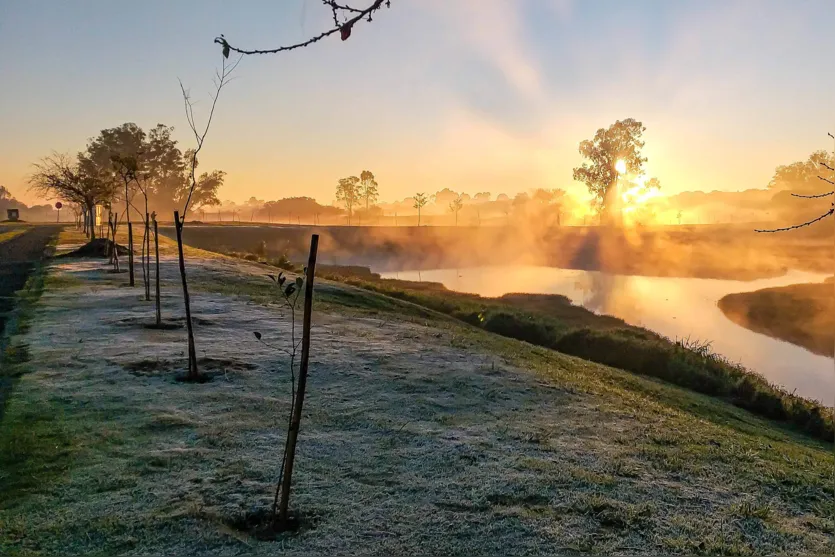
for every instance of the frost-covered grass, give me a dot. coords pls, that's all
(420, 435)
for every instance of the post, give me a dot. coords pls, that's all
(192, 354)
(146, 264)
(156, 276)
(130, 252)
(293, 434)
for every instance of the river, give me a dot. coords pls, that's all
(674, 307)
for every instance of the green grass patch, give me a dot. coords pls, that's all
(6, 235)
(36, 445)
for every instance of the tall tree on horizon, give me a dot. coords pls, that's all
(420, 200)
(368, 189)
(348, 192)
(619, 142)
(455, 206)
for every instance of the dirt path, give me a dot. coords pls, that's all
(18, 257)
(416, 438)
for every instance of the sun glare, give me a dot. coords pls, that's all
(620, 166)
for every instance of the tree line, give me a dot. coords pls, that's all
(119, 167)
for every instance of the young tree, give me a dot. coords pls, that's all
(345, 17)
(348, 192)
(61, 176)
(619, 142)
(127, 167)
(221, 78)
(368, 189)
(455, 205)
(420, 201)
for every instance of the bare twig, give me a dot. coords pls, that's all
(222, 78)
(343, 28)
(827, 194)
(813, 221)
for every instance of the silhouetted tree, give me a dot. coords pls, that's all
(420, 201)
(455, 206)
(348, 192)
(803, 177)
(619, 142)
(822, 164)
(63, 177)
(368, 189)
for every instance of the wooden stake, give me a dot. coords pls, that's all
(130, 252)
(146, 261)
(293, 433)
(193, 373)
(156, 275)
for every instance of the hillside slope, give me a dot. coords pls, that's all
(420, 435)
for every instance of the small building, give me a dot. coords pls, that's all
(12, 215)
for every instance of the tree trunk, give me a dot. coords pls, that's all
(90, 221)
(156, 275)
(108, 247)
(193, 373)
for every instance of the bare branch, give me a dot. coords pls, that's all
(223, 77)
(343, 28)
(823, 164)
(813, 221)
(827, 181)
(827, 194)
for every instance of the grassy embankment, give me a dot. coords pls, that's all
(542, 452)
(801, 314)
(553, 322)
(8, 232)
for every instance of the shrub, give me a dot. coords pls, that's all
(521, 328)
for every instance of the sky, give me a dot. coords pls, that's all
(474, 95)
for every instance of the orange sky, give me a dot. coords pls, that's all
(475, 95)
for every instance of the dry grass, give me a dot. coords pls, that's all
(420, 436)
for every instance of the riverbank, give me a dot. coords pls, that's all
(803, 314)
(552, 321)
(420, 434)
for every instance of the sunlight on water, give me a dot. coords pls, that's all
(674, 307)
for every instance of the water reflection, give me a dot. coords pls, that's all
(674, 307)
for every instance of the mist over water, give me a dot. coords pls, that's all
(675, 307)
